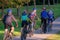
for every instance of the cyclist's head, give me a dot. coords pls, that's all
(44, 8)
(34, 9)
(24, 13)
(9, 12)
(50, 12)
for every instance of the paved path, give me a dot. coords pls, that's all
(38, 36)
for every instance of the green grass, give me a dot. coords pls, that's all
(55, 8)
(54, 37)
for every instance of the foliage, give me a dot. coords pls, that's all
(10, 3)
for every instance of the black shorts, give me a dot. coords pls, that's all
(43, 20)
(24, 23)
(7, 25)
(50, 20)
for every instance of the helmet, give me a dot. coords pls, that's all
(34, 8)
(9, 10)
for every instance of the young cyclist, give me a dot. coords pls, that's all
(30, 25)
(44, 17)
(7, 20)
(24, 28)
(32, 16)
(50, 18)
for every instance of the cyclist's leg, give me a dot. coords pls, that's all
(48, 26)
(34, 23)
(11, 31)
(24, 31)
(45, 25)
(31, 29)
(51, 24)
(42, 22)
(11, 28)
(6, 32)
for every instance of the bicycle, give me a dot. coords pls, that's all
(31, 29)
(24, 32)
(7, 36)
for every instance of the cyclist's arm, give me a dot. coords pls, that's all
(2, 17)
(15, 20)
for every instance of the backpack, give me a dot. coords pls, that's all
(4, 19)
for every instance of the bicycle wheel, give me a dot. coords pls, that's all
(23, 35)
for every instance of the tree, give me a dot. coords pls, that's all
(2, 4)
(34, 3)
(20, 3)
(57, 1)
(54, 2)
(17, 3)
(27, 2)
(43, 2)
(49, 3)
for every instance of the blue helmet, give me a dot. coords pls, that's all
(34, 8)
(9, 10)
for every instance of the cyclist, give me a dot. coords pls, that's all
(50, 18)
(7, 20)
(24, 28)
(32, 16)
(44, 17)
(30, 25)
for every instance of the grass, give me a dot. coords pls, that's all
(54, 37)
(55, 8)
